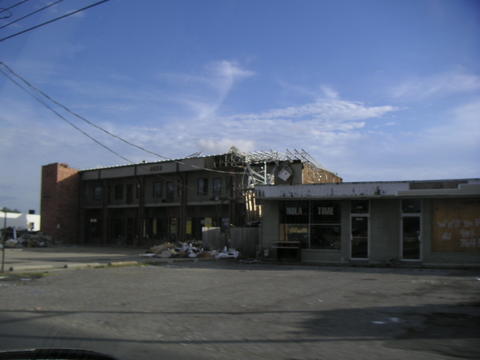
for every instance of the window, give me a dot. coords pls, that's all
(411, 206)
(360, 207)
(118, 191)
(294, 222)
(325, 225)
(325, 237)
(217, 186)
(294, 212)
(202, 186)
(325, 212)
(170, 191)
(157, 190)
(97, 192)
(292, 232)
(129, 193)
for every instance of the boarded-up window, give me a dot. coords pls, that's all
(456, 225)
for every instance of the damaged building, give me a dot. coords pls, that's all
(142, 204)
(433, 222)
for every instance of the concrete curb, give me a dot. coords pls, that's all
(76, 266)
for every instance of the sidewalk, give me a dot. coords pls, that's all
(77, 257)
(34, 259)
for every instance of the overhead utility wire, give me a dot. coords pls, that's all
(83, 132)
(104, 130)
(52, 20)
(6, 16)
(14, 5)
(30, 14)
(65, 119)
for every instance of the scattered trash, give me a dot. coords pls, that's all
(24, 238)
(249, 261)
(394, 320)
(148, 254)
(227, 254)
(191, 250)
(11, 243)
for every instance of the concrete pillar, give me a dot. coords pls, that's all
(270, 224)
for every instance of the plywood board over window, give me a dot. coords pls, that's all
(456, 225)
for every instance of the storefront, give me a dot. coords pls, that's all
(425, 222)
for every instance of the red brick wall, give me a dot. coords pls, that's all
(313, 175)
(59, 202)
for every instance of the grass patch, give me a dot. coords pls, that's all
(26, 276)
(118, 265)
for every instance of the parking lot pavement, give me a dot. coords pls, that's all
(236, 311)
(31, 259)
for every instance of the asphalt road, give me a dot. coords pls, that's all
(235, 311)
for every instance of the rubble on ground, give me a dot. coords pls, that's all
(194, 249)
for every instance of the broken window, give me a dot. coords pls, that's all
(217, 186)
(202, 186)
(118, 191)
(129, 193)
(157, 190)
(170, 191)
(97, 192)
(137, 190)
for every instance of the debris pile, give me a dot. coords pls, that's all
(190, 250)
(29, 239)
(26, 239)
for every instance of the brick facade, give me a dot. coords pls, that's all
(59, 202)
(314, 175)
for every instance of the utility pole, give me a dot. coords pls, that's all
(4, 236)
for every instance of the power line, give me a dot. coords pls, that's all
(9, 15)
(65, 119)
(30, 14)
(52, 20)
(139, 147)
(14, 5)
(84, 132)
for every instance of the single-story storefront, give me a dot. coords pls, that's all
(428, 222)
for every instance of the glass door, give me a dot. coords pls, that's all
(411, 244)
(359, 237)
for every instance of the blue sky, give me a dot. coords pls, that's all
(374, 90)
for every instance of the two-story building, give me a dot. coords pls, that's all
(143, 203)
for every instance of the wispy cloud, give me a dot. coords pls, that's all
(205, 93)
(324, 109)
(350, 137)
(436, 85)
(223, 145)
